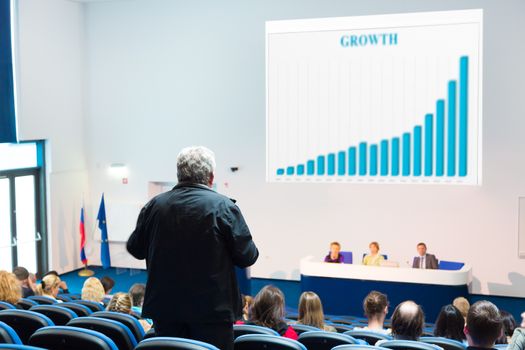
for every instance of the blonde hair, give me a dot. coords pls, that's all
(47, 285)
(120, 302)
(462, 305)
(93, 290)
(311, 310)
(10, 289)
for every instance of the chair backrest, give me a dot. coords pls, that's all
(341, 328)
(42, 300)
(58, 314)
(8, 334)
(168, 343)
(301, 328)
(6, 306)
(342, 320)
(292, 316)
(243, 329)
(324, 340)
(408, 345)
(26, 304)
(64, 297)
(114, 330)
(65, 338)
(358, 347)
(348, 257)
(369, 336)
(19, 347)
(265, 342)
(79, 309)
(150, 334)
(25, 322)
(131, 322)
(446, 344)
(501, 346)
(93, 306)
(74, 296)
(450, 265)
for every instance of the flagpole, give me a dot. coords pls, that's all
(85, 272)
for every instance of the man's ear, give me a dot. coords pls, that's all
(212, 176)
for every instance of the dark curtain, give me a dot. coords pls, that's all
(7, 97)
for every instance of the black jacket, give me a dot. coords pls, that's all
(191, 238)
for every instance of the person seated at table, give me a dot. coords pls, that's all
(424, 260)
(408, 321)
(311, 312)
(484, 325)
(334, 256)
(450, 324)
(10, 289)
(375, 306)
(373, 258)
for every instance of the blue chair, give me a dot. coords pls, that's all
(168, 343)
(64, 297)
(501, 346)
(243, 329)
(341, 328)
(6, 306)
(266, 342)
(370, 337)
(93, 306)
(450, 265)
(19, 347)
(114, 330)
(324, 340)
(58, 314)
(25, 322)
(408, 345)
(26, 304)
(446, 344)
(347, 256)
(292, 316)
(42, 300)
(8, 334)
(129, 321)
(301, 328)
(79, 309)
(358, 347)
(342, 320)
(66, 338)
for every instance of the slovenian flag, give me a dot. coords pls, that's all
(82, 238)
(104, 243)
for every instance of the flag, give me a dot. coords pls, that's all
(82, 238)
(104, 243)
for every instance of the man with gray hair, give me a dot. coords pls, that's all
(192, 238)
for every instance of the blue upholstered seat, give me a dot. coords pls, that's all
(266, 342)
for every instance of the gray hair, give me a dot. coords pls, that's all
(195, 164)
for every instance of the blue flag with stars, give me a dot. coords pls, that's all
(104, 243)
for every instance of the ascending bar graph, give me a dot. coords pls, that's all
(399, 105)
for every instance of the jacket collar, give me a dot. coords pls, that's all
(190, 184)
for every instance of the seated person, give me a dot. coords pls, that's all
(121, 302)
(518, 338)
(311, 312)
(334, 255)
(509, 325)
(49, 286)
(374, 258)
(268, 311)
(93, 290)
(462, 305)
(424, 260)
(375, 307)
(28, 288)
(10, 289)
(247, 304)
(450, 324)
(63, 284)
(108, 283)
(408, 321)
(137, 292)
(484, 325)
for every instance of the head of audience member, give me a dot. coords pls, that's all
(375, 306)
(137, 292)
(509, 325)
(247, 304)
(108, 283)
(408, 321)
(63, 284)
(335, 249)
(196, 165)
(374, 248)
(421, 249)
(268, 307)
(22, 275)
(462, 305)
(311, 310)
(49, 286)
(120, 302)
(10, 289)
(450, 323)
(93, 290)
(484, 325)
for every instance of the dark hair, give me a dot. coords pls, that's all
(374, 304)
(484, 324)
(108, 283)
(450, 323)
(509, 325)
(268, 307)
(408, 320)
(21, 273)
(137, 292)
(52, 272)
(421, 244)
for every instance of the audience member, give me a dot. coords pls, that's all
(10, 289)
(247, 304)
(509, 325)
(375, 306)
(137, 292)
(373, 258)
(108, 283)
(63, 284)
(311, 312)
(484, 325)
(49, 286)
(93, 290)
(463, 306)
(28, 288)
(334, 255)
(518, 338)
(450, 324)
(121, 302)
(408, 321)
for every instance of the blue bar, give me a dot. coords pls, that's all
(440, 137)
(290, 170)
(310, 167)
(429, 130)
(341, 163)
(300, 169)
(384, 158)
(331, 163)
(463, 114)
(373, 160)
(395, 156)
(406, 154)
(417, 151)
(280, 171)
(320, 165)
(362, 158)
(451, 149)
(352, 161)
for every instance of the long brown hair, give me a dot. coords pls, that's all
(10, 289)
(311, 310)
(268, 307)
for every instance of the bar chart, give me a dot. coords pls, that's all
(405, 108)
